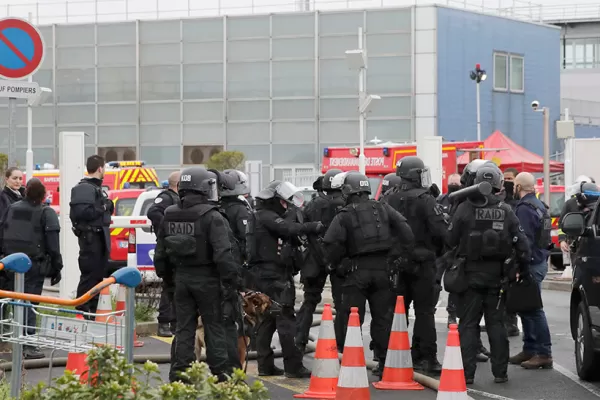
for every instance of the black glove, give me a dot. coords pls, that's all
(55, 278)
(321, 228)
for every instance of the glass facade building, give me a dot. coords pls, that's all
(172, 92)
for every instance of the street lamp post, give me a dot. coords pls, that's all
(478, 75)
(357, 60)
(535, 105)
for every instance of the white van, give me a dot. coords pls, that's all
(142, 241)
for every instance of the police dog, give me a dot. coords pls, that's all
(256, 306)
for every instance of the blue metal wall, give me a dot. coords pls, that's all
(465, 39)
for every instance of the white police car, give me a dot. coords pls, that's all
(142, 241)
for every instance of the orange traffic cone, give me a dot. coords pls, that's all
(77, 364)
(325, 371)
(353, 382)
(398, 371)
(121, 298)
(104, 307)
(452, 382)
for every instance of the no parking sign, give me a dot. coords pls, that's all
(21, 48)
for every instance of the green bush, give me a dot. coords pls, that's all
(115, 379)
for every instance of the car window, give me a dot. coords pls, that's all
(557, 200)
(124, 207)
(146, 206)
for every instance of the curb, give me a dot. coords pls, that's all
(146, 328)
(558, 285)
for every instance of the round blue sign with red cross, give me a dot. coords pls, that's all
(21, 48)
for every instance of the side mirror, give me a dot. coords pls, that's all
(573, 224)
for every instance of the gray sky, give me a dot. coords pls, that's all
(56, 11)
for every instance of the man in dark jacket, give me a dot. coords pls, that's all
(156, 212)
(90, 214)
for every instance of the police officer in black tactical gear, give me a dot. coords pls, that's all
(31, 227)
(237, 208)
(426, 218)
(195, 238)
(271, 246)
(156, 212)
(389, 182)
(372, 235)
(485, 231)
(90, 214)
(315, 270)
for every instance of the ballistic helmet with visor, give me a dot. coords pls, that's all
(241, 184)
(199, 180)
(588, 193)
(338, 180)
(284, 191)
(413, 169)
(355, 183)
(468, 176)
(389, 181)
(328, 178)
(492, 175)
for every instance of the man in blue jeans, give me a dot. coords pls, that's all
(536, 222)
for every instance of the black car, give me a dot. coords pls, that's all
(585, 292)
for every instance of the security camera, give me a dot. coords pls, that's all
(535, 105)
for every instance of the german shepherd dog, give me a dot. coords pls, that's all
(255, 305)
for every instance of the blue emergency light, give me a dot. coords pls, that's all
(165, 184)
(37, 167)
(126, 185)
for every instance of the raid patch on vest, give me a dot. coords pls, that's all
(490, 214)
(181, 228)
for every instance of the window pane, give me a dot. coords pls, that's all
(204, 111)
(579, 53)
(159, 31)
(248, 133)
(569, 53)
(75, 85)
(164, 155)
(389, 44)
(293, 109)
(89, 137)
(389, 75)
(75, 57)
(248, 110)
(203, 81)
(160, 83)
(89, 151)
(40, 136)
(338, 132)
(195, 134)
(253, 152)
(116, 113)
(116, 84)
(392, 130)
(75, 35)
(160, 54)
(199, 154)
(248, 50)
(160, 134)
(392, 107)
(294, 132)
(199, 30)
(116, 56)
(339, 108)
(516, 74)
(202, 52)
(76, 115)
(159, 112)
(389, 20)
(500, 71)
(293, 24)
(294, 48)
(337, 79)
(47, 35)
(41, 155)
(44, 79)
(336, 46)
(248, 80)
(116, 33)
(293, 78)
(344, 22)
(117, 135)
(247, 27)
(43, 115)
(114, 153)
(296, 154)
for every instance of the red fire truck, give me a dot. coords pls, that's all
(381, 159)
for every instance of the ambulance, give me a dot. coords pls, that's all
(118, 175)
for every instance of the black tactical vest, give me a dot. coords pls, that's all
(24, 230)
(543, 235)
(488, 238)
(369, 231)
(407, 203)
(186, 240)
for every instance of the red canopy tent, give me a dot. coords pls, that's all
(511, 155)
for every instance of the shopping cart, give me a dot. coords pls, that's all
(77, 334)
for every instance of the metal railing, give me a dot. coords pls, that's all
(45, 12)
(583, 112)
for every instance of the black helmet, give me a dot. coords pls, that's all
(390, 181)
(353, 182)
(413, 169)
(318, 184)
(199, 180)
(328, 177)
(491, 174)
(284, 191)
(468, 176)
(241, 186)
